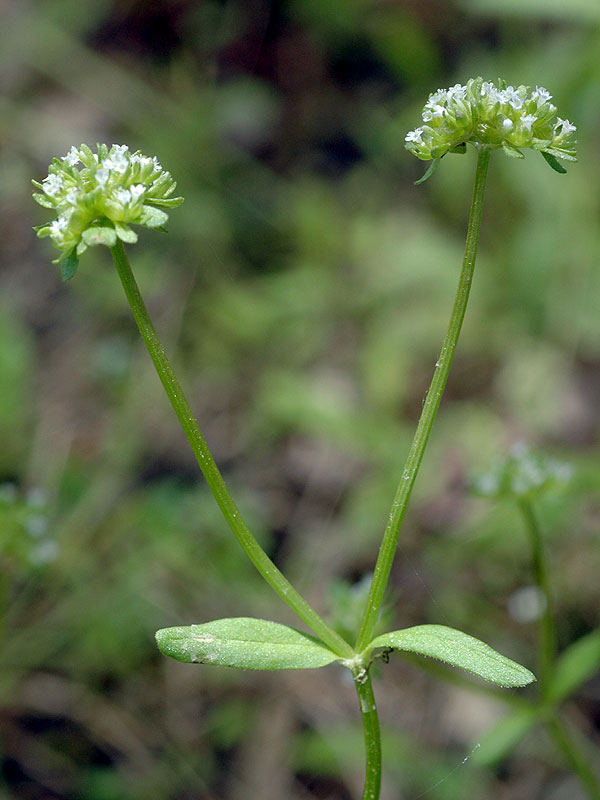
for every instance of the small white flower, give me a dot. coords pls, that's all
(143, 161)
(71, 196)
(511, 96)
(489, 90)
(528, 120)
(52, 184)
(415, 136)
(540, 95)
(156, 162)
(123, 196)
(102, 176)
(565, 126)
(58, 225)
(137, 191)
(507, 124)
(72, 157)
(437, 97)
(433, 112)
(118, 162)
(457, 92)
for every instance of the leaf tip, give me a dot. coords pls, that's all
(430, 170)
(68, 266)
(552, 162)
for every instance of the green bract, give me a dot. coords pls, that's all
(484, 114)
(98, 195)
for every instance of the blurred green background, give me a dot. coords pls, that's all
(303, 291)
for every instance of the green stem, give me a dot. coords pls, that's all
(370, 720)
(430, 408)
(207, 464)
(547, 630)
(575, 758)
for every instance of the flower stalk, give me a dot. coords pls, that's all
(389, 543)
(272, 575)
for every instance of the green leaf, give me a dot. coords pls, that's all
(579, 662)
(553, 162)
(502, 738)
(100, 234)
(245, 643)
(513, 152)
(559, 152)
(68, 266)
(461, 149)
(125, 233)
(152, 217)
(164, 202)
(430, 170)
(459, 649)
(43, 200)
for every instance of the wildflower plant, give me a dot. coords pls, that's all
(97, 196)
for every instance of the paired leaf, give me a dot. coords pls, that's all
(246, 643)
(458, 649)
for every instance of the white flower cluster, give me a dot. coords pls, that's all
(522, 474)
(98, 195)
(485, 114)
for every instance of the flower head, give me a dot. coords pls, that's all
(97, 196)
(492, 115)
(522, 474)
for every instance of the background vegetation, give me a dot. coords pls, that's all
(303, 289)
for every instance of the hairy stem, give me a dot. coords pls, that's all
(434, 395)
(370, 720)
(547, 630)
(207, 464)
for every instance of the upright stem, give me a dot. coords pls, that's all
(430, 408)
(547, 631)
(370, 719)
(207, 464)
